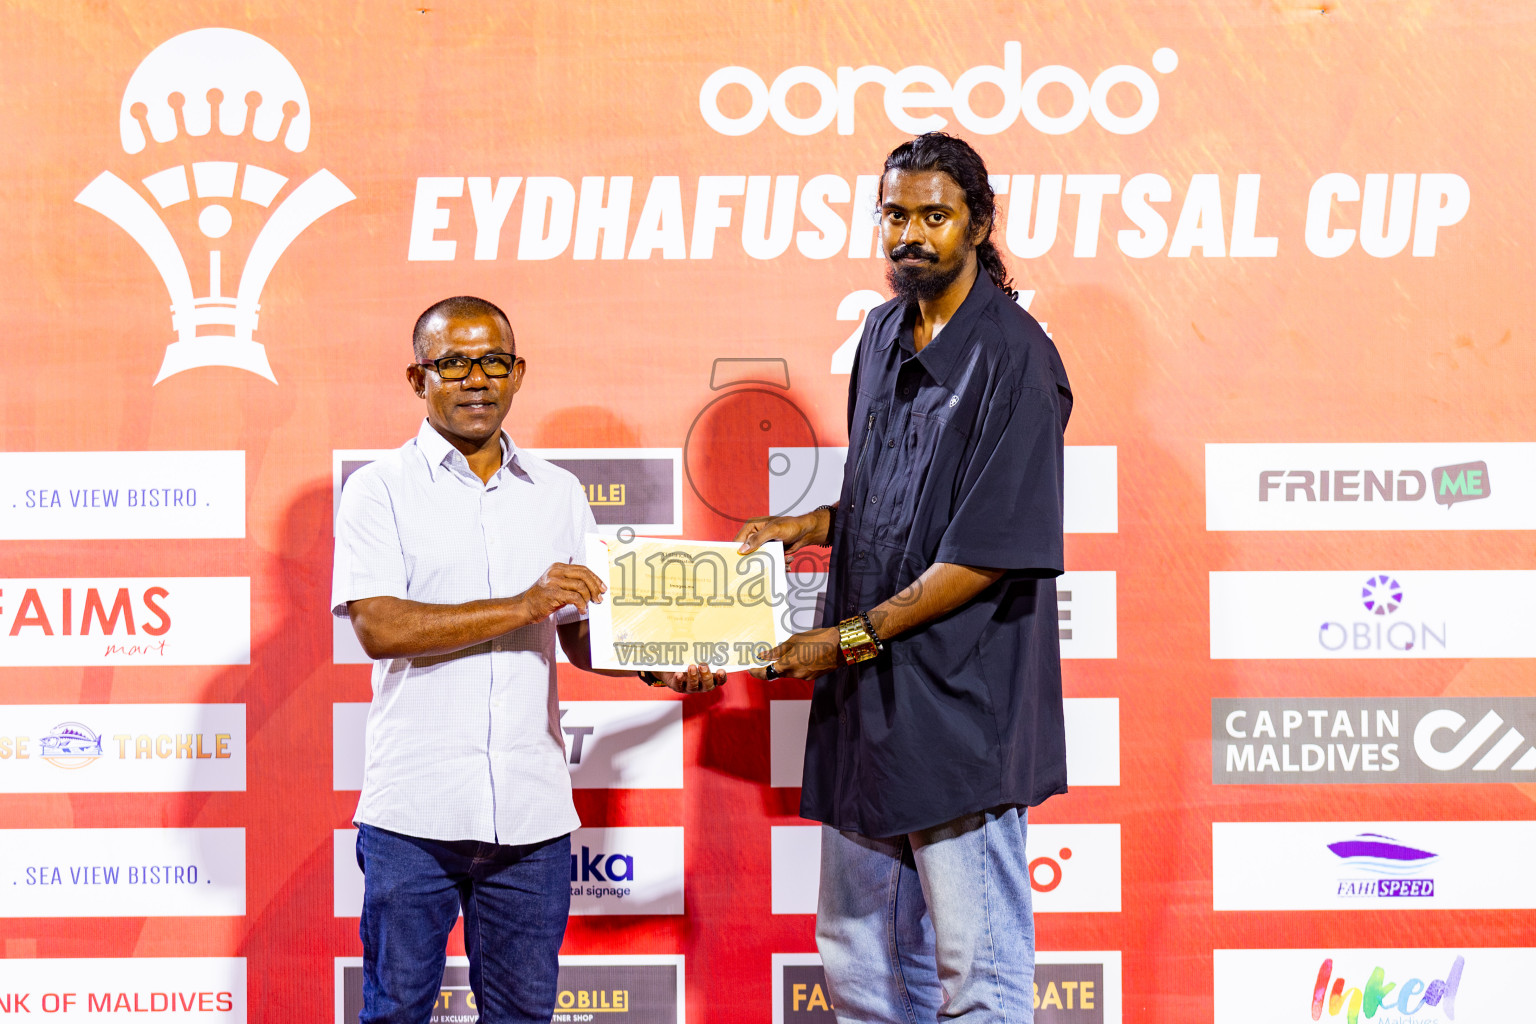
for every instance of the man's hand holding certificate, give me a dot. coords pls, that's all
(675, 603)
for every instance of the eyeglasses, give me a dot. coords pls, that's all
(494, 364)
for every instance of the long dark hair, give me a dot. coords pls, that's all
(937, 151)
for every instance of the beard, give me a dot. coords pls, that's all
(921, 283)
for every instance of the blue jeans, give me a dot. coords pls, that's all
(934, 924)
(515, 900)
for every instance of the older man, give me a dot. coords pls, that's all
(458, 562)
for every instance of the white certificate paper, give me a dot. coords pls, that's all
(674, 603)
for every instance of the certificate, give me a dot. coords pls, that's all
(675, 603)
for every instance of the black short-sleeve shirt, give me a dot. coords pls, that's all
(954, 455)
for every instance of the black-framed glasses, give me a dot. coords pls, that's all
(493, 364)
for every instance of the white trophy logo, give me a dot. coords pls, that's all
(179, 89)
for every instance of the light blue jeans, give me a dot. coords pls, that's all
(931, 925)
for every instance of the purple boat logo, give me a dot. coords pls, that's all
(1382, 855)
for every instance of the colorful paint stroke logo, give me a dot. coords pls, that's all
(1381, 595)
(1403, 1000)
(70, 745)
(1391, 861)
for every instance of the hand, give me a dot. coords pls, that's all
(804, 655)
(697, 679)
(795, 531)
(562, 584)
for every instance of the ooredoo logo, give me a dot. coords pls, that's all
(920, 87)
(185, 86)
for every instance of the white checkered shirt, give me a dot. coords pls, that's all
(464, 745)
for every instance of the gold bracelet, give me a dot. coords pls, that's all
(855, 640)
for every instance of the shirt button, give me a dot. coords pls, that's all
(906, 392)
(874, 499)
(891, 443)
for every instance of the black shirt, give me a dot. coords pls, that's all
(954, 455)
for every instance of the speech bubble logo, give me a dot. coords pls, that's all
(1467, 481)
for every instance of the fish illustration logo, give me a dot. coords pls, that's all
(183, 88)
(70, 745)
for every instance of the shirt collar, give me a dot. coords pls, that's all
(438, 451)
(940, 355)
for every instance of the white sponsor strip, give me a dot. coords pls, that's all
(346, 649)
(346, 876)
(795, 856)
(1464, 985)
(1087, 617)
(614, 871)
(151, 620)
(814, 476)
(122, 872)
(121, 495)
(609, 744)
(1072, 868)
(172, 990)
(1362, 865)
(1392, 486)
(636, 870)
(1093, 741)
(1091, 490)
(349, 734)
(1381, 613)
(623, 744)
(122, 748)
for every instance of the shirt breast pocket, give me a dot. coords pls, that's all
(924, 453)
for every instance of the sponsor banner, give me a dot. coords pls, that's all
(1069, 988)
(609, 744)
(630, 989)
(1087, 619)
(121, 495)
(802, 478)
(1386, 739)
(1072, 868)
(636, 870)
(641, 488)
(638, 488)
(122, 872)
(1364, 865)
(150, 620)
(1370, 486)
(122, 748)
(171, 990)
(346, 876)
(1086, 614)
(1456, 985)
(1383, 613)
(1093, 741)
